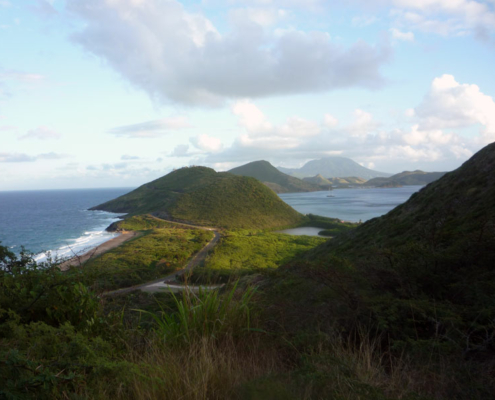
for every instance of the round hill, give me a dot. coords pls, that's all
(200, 195)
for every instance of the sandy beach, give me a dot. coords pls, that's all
(102, 248)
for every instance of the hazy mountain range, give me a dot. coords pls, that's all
(333, 167)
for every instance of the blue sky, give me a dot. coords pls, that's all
(109, 93)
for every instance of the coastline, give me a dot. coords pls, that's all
(111, 244)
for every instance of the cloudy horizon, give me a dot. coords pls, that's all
(115, 93)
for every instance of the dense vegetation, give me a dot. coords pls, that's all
(202, 196)
(273, 178)
(419, 281)
(400, 307)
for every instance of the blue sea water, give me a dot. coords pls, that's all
(55, 220)
(350, 204)
(59, 220)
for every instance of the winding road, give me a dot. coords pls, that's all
(159, 284)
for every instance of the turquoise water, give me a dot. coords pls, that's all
(55, 220)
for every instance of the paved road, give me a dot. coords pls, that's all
(159, 284)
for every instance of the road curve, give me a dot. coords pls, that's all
(195, 261)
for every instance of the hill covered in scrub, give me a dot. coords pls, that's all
(202, 196)
(333, 167)
(406, 178)
(318, 180)
(273, 178)
(421, 278)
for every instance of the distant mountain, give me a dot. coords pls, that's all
(338, 167)
(204, 197)
(273, 178)
(406, 178)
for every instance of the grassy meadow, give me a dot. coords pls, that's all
(161, 249)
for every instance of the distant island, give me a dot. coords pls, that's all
(405, 178)
(333, 167)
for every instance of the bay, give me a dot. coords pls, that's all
(352, 205)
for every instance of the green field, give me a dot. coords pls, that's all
(243, 252)
(158, 252)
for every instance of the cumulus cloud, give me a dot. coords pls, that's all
(435, 139)
(450, 104)
(127, 157)
(41, 133)
(180, 56)
(206, 143)
(151, 129)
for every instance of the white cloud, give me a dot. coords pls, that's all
(261, 16)
(404, 36)
(175, 55)
(450, 104)
(444, 17)
(363, 139)
(41, 133)
(363, 124)
(330, 121)
(206, 143)
(5, 3)
(151, 129)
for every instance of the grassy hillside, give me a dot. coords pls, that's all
(418, 281)
(202, 196)
(318, 180)
(273, 178)
(335, 167)
(406, 178)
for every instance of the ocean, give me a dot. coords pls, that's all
(352, 205)
(55, 220)
(59, 221)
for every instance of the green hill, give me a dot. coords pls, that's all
(420, 279)
(202, 196)
(406, 178)
(273, 178)
(318, 180)
(333, 166)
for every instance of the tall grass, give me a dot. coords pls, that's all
(205, 314)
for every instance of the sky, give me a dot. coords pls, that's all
(115, 93)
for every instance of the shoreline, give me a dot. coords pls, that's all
(110, 244)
